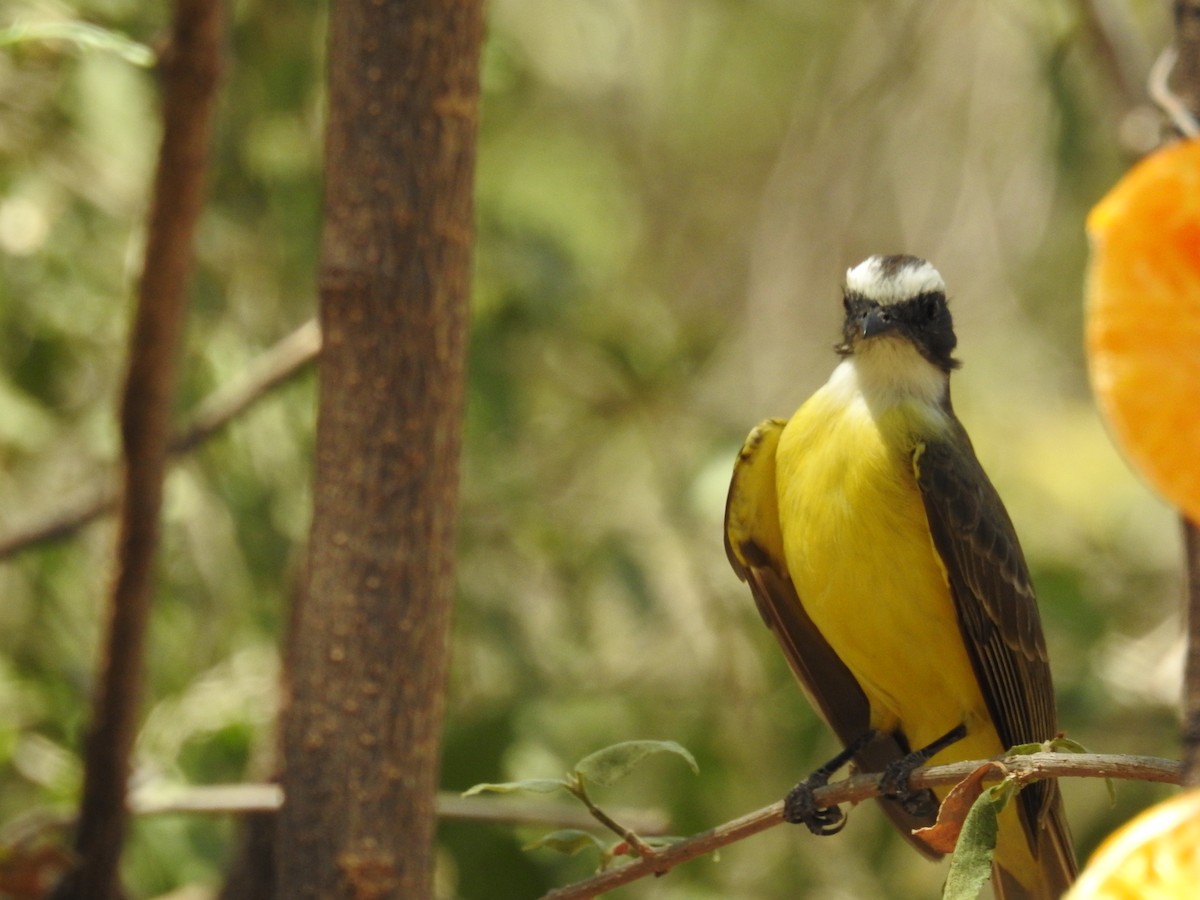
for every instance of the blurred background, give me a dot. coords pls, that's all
(669, 192)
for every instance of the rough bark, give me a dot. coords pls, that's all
(362, 733)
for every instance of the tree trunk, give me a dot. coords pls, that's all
(362, 733)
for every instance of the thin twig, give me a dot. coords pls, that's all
(277, 365)
(242, 799)
(1191, 675)
(513, 811)
(625, 833)
(862, 787)
(1160, 91)
(1180, 84)
(1183, 68)
(190, 68)
(259, 798)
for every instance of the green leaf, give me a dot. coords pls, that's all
(610, 765)
(971, 865)
(1062, 744)
(568, 841)
(536, 785)
(1026, 749)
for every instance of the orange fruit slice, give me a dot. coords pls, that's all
(1143, 319)
(1156, 854)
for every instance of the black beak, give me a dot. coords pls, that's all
(875, 321)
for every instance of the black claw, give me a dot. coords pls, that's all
(921, 804)
(894, 782)
(799, 808)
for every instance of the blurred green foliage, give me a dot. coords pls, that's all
(668, 194)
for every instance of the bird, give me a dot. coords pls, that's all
(882, 558)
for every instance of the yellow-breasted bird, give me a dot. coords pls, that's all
(885, 563)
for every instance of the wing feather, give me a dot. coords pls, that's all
(994, 596)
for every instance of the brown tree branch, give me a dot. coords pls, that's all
(265, 798)
(1185, 77)
(1185, 84)
(1191, 674)
(862, 787)
(277, 365)
(190, 71)
(281, 362)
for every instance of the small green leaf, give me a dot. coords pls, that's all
(971, 865)
(568, 841)
(1062, 744)
(610, 765)
(537, 785)
(1025, 749)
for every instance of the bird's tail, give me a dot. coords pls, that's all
(1055, 857)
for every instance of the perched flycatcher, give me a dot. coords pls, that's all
(883, 560)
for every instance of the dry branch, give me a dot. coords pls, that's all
(862, 787)
(1185, 84)
(277, 365)
(1191, 675)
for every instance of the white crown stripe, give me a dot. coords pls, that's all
(896, 284)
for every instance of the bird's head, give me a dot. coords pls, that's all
(898, 299)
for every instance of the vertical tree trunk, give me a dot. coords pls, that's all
(363, 730)
(190, 68)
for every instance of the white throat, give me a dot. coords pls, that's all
(888, 371)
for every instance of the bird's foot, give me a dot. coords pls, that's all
(800, 808)
(894, 782)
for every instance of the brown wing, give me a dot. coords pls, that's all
(997, 609)
(754, 545)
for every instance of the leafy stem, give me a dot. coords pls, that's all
(575, 786)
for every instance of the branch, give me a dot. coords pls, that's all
(1185, 83)
(277, 365)
(190, 72)
(265, 798)
(248, 798)
(274, 367)
(1185, 77)
(1191, 675)
(512, 811)
(861, 787)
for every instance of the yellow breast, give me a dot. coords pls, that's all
(859, 550)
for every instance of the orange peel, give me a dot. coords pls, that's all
(1143, 319)
(1156, 854)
